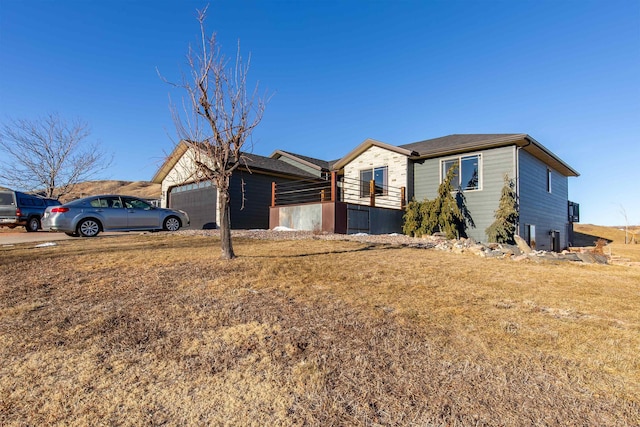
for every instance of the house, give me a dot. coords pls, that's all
(541, 180)
(375, 178)
(250, 186)
(366, 190)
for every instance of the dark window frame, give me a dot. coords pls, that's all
(380, 176)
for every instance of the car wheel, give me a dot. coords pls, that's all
(89, 228)
(33, 224)
(72, 234)
(171, 224)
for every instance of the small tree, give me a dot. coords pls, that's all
(412, 219)
(503, 229)
(443, 214)
(49, 154)
(219, 118)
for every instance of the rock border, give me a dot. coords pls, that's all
(519, 252)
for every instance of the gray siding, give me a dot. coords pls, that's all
(495, 163)
(302, 166)
(257, 199)
(547, 211)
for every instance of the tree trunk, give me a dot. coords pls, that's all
(225, 224)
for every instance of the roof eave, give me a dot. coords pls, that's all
(170, 162)
(365, 145)
(545, 155)
(471, 146)
(523, 141)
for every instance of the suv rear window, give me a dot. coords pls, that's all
(31, 201)
(6, 199)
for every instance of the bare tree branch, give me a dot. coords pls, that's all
(49, 154)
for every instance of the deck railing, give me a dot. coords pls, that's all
(298, 192)
(345, 189)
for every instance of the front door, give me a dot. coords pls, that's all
(555, 241)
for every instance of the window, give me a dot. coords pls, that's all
(378, 176)
(131, 203)
(106, 202)
(574, 212)
(530, 231)
(548, 180)
(467, 174)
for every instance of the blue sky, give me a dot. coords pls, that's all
(565, 72)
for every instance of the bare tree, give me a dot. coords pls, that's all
(218, 118)
(48, 154)
(623, 211)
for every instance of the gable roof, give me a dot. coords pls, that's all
(305, 160)
(364, 146)
(268, 164)
(255, 162)
(460, 143)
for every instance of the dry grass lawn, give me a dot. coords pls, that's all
(589, 233)
(153, 329)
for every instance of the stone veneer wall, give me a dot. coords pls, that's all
(374, 157)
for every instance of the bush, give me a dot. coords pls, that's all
(503, 229)
(446, 213)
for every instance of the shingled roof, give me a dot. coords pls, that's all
(460, 143)
(267, 164)
(255, 162)
(323, 164)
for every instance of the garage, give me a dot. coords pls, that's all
(198, 200)
(249, 186)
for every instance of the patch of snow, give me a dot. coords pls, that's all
(282, 228)
(46, 245)
(359, 234)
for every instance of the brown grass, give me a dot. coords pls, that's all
(589, 234)
(153, 329)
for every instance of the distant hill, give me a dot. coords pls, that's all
(587, 234)
(143, 189)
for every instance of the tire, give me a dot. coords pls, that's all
(172, 223)
(33, 224)
(88, 228)
(72, 234)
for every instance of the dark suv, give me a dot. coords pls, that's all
(21, 209)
